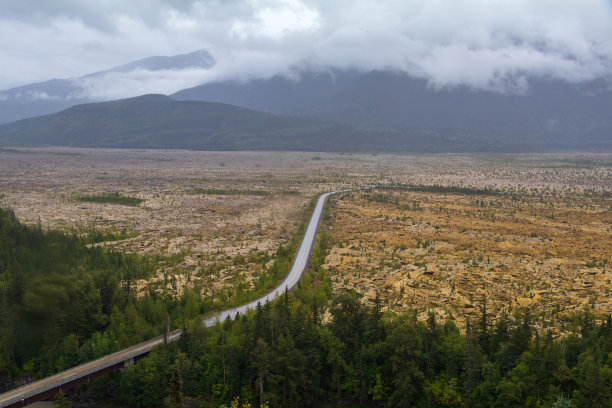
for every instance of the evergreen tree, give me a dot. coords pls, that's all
(175, 396)
(61, 401)
(483, 328)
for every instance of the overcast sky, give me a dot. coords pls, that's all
(490, 44)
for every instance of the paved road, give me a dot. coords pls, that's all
(299, 264)
(55, 381)
(74, 373)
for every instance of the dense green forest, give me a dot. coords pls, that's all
(64, 303)
(284, 355)
(312, 348)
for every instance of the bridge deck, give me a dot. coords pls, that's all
(72, 377)
(20, 396)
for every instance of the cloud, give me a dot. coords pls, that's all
(276, 21)
(115, 85)
(485, 44)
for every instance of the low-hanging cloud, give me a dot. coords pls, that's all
(495, 45)
(115, 85)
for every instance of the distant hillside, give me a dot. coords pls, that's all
(159, 122)
(551, 115)
(57, 94)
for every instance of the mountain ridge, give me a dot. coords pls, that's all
(562, 115)
(160, 122)
(46, 97)
(155, 121)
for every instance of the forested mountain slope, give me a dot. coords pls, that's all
(159, 122)
(549, 114)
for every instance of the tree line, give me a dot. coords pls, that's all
(285, 355)
(312, 348)
(64, 303)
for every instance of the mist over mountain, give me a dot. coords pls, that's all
(58, 94)
(196, 59)
(554, 113)
(541, 114)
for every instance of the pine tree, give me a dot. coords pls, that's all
(483, 328)
(471, 362)
(61, 401)
(175, 397)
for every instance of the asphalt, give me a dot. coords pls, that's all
(299, 265)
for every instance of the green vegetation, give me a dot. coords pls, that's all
(436, 188)
(219, 191)
(62, 303)
(283, 354)
(94, 236)
(241, 293)
(111, 198)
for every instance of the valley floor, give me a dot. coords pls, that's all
(518, 230)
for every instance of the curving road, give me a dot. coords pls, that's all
(299, 264)
(46, 387)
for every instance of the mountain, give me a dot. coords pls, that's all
(550, 115)
(159, 122)
(58, 94)
(197, 59)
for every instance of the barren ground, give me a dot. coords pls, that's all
(541, 240)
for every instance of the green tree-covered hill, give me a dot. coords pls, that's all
(159, 122)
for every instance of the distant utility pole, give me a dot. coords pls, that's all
(167, 333)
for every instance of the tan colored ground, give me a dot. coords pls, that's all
(194, 232)
(448, 251)
(191, 231)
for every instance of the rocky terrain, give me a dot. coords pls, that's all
(516, 230)
(454, 251)
(212, 219)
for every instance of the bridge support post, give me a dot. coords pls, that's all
(167, 333)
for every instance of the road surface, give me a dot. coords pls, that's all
(299, 264)
(32, 392)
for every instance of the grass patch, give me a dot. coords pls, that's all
(94, 236)
(486, 191)
(225, 191)
(111, 198)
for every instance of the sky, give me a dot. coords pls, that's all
(484, 44)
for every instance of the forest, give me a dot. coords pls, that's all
(64, 303)
(285, 355)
